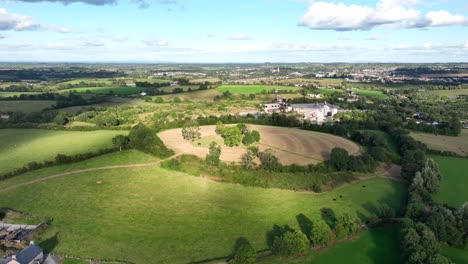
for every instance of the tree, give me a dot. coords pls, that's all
(120, 141)
(268, 161)
(345, 226)
(191, 130)
(248, 139)
(61, 118)
(321, 234)
(247, 160)
(212, 158)
(339, 159)
(431, 176)
(255, 135)
(145, 139)
(290, 243)
(243, 252)
(385, 212)
(232, 136)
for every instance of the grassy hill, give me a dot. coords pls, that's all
(151, 215)
(254, 88)
(454, 184)
(18, 147)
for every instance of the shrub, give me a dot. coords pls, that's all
(255, 135)
(290, 243)
(321, 234)
(346, 226)
(191, 130)
(145, 139)
(339, 159)
(243, 252)
(269, 162)
(248, 139)
(212, 158)
(247, 160)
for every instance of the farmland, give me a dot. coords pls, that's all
(205, 217)
(371, 93)
(255, 88)
(288, 144)
(458, 144)
(454, 180)
(107, 90)
(25, 106)
(21, 146)
(450, 93)
(11, 94)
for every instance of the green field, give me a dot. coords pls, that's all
(449, 93)
(458, 256)
(379, 245)
(21, 146)
(87, 80)
(454, 184)
(204, 95)
(151, 215)
(328, 91)
(371, 93)
(25, 106)
(106, 90)
(254, 88)
(11, 94)
(458, 144)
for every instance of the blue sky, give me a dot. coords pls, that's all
(234, 31)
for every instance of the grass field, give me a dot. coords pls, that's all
(254, 88)
(106, 90)
(25, 106)
(457, 144)
(151, 215)
(458, 256)
(88, 80)
(290, 145)
(454, 184)
(449, 93)
(371, 93)
(205, 95)
(379, 245)
(328, 91)
(21, 146)
(11, 94)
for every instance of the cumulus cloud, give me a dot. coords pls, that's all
(341, 17)
(466, 45)
(9, 21)
(239, 37)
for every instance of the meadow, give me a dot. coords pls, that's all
(371, 93)
(254, 88)
(458, 256)
(152, 215)
(196, 96)
(18, 147)
(454, 180)
(25, 106)
(11, 94)
(458, 144)
(377, 245)
(106, 90)
(450, 93)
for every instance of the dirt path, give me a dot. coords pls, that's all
(77, 172)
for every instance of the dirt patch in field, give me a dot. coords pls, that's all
(290, 145)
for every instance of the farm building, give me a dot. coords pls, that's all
(130, 83)
(317, 112)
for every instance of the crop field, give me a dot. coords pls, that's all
(378, 245)
(106, 90)
(457, 144)
(18, 147)
(25, 106)
(454, 180)
(290, 145)
(450, 93)
(151, 215)
(254, 88)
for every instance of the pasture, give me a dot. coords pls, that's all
(11, 94)
(25, 106)
(458, 256)
(371, 93)
(454, 184)
(196, 96)
(450, 93)
(255, 88)
(18, 147)
(458, 144)
(107, 90)
(151, 215)
(377, 245)
(290, 145)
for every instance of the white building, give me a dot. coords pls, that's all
(318, 112)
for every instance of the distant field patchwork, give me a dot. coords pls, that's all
(25, 106)
(18, 147)
(457, 144)
(107, 90)
(254, 88)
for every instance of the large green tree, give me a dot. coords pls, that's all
(321, 234)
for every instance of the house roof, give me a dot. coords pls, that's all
(28, 254)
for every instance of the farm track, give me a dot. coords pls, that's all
(78, 172)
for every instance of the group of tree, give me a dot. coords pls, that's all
(340, 160)
(191, 130)
(234, 135)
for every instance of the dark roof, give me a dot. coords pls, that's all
(28, 254)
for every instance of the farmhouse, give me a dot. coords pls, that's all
(279, 104)
(317, 112)
(30, 255)
(130, 83)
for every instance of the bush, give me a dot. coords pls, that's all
(269, 162)
(339, 159)
(145, 139)
(321, 234)
(212, 158)
(255, 135)
(346, 226)
(243, 252)
(290, 243)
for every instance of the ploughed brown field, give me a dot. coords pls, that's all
(290, 145)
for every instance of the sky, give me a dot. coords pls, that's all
(218, 31)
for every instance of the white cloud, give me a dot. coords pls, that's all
(9, 21)
(466, 45)
(341, 17)
(239, 37)
(93, 43)
(156, 42)
(372, 37)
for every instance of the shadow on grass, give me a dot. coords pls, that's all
(329, 216)
(305, 224)
(49, 244)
